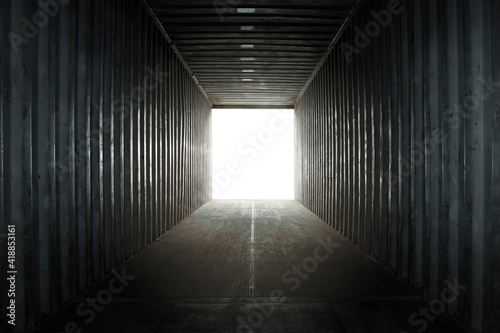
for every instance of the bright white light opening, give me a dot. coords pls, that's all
(253, 154)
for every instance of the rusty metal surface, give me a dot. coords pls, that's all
(105, 145)
(412, 120)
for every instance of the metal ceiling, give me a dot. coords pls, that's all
(252, 53)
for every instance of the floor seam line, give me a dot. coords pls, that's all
(251, 285)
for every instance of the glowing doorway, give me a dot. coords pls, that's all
(253, 154)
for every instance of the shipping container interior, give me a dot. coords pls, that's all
(106, 212)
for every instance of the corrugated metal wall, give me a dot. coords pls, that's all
(105, 144)
(398, 146)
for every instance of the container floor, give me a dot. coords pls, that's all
(253, 266)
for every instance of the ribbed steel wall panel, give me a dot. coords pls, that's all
(105, 144)
(398, 149)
